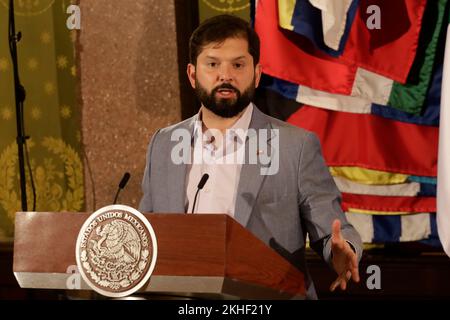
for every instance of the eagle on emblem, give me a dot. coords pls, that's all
(118, 241)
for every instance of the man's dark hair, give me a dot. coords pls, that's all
(220, 28)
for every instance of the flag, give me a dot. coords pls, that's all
(375, 226)
(285, 12)
(369, 141)
(368, 176)
(373, 49)
(394, 228)
(410, 97)
(443, 188)
(383, 158)
(337, 18)
(408, 189)
(307, 65)
(372, 92)
(429, 114)
(391, 203)
(390, 226)
(430, 109)
(325, 24)
(367, 47)
(326, 100)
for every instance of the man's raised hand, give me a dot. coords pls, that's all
(344, 259)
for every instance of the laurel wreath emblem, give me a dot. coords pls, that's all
(107, 265)
(29, 7)
(50, 181)
(227, 6)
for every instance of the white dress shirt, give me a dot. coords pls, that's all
(218, 157)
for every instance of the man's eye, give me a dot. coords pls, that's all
(212, 64)
(238, 65)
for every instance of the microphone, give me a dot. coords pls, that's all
(122, 185)
(200, 186)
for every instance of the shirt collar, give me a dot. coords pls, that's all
(238, 131)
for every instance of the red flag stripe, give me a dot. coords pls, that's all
(372, 142)
(384, 203)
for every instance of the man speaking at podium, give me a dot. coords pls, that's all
(268, 175)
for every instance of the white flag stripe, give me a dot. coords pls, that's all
(403, 189)
(368, 88)
(443, 185)
(363, 223)
(334, 20)
(415, 227)
(372, 86)
(329, 101)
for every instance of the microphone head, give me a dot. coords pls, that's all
(124, 180)
(203, 180)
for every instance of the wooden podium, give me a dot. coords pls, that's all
(205, 255)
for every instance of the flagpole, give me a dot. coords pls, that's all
(443, 182)
(19, 93)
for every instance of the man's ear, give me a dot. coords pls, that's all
(191, 74)
(258, 72)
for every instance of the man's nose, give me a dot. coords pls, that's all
(225, 73)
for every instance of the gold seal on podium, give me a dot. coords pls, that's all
(116, 251)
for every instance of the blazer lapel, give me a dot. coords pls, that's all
(177, 177)
(177, 189)
(251, 179)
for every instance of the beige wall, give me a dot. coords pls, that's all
(129, 88)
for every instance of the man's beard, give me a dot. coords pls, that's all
(225, 108)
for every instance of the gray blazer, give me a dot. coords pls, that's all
(280, 209)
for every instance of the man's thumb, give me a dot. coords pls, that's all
(336, 231)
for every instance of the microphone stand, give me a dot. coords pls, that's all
(19, 92)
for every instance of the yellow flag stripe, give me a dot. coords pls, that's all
(368, 176)
(285, 12)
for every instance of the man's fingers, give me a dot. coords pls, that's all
(335, 284)
(343, 284)
(341, 281)
(354, 269)
(355, 274)
(345, 279)
(352, 265)
(348, 275)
